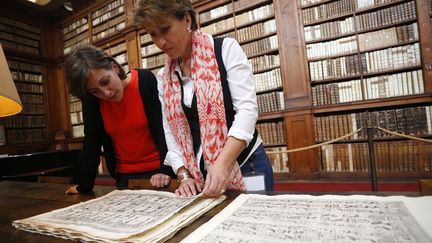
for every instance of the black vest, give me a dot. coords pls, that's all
(192, 113)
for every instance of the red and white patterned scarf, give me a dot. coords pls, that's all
(208, 89)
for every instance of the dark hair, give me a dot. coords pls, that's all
(79, 64)
(155, 11)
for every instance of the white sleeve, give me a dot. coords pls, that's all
(174, 156)
(242, 87)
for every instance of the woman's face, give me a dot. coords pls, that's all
(105, 84)
(171, 36)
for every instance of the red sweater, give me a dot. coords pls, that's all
(126, 123)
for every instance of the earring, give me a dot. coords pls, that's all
(189, 29)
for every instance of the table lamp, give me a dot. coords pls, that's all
(10, 103)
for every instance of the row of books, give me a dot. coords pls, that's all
(112, 22)
(279, 161)
(20, 25)
(390, 156)
(367, 41)
(76, 117)
(268, 80)
(387, 16)
(68, 49)
(270, 102)
(102, 15)
(33, 109)
(4, 28)
(329, 29)
(255, 31)
(78, 131)
(83, 37)
(264, 62)
(76, 27)
(29, 88)
(388, 37)
(23, 66)
(75, 106)
(21, 121)
(110, 30)
(262, 46)
(121, 58)
(17, 136)
(381, 60)
(116, 49)
(20, 47)
(410, 121)
(327, 10)
(28, 77)
(12, 37)
(239, 20)
(400, 84)
(154, 61)
(226, 9)
(32, 98)
(149, 50)
(272, 133)
(385, 86)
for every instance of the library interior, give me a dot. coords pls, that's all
(343, 87)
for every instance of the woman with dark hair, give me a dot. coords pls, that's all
(207, 92)
(122, 114)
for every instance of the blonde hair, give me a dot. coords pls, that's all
(155, 11)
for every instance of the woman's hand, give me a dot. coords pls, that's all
(217, 179)
(188, 187)
(72, 190)
(160, 180)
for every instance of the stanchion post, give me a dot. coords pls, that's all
(372, 164)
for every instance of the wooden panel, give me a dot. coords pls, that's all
(57, 100)
(300, 133)
(294, 69)
(133, 50)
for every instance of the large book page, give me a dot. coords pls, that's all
(306, 218)
(128, 215)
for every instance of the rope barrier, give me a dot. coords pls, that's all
(315, 145)
(404, 136)
(346, 136)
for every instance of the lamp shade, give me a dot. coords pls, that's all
(10, 103)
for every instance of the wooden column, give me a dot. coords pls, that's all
(425, 32)
(133, 50)
(298, 117)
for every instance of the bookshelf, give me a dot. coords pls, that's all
(19, 36)
(365, 66)
(29, 126)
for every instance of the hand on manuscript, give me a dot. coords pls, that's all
(217, 180)
(188, 187)
(72, 190)
(160, 180)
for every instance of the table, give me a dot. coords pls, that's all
(20, 200)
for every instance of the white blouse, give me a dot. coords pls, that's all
(242, 87)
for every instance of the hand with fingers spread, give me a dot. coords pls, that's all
(160, 180)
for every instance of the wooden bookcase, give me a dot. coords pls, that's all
(367, 64)
(322, 69)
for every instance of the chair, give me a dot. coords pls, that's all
(55, 179)
(425, 186)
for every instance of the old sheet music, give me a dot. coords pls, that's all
(305, 218)
(128, 215)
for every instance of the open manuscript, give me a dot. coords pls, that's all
(121, 216)
(305, 218)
